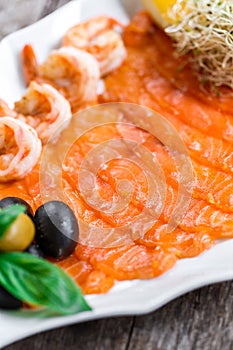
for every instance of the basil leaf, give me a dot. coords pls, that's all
(39, 282)
(9, 215)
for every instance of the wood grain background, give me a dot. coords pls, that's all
(201, 320)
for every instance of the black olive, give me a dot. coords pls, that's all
(35, 250)
(56, 229)
(7, 301)
(6, 202)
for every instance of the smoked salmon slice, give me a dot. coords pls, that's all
(156, 92)
(128, 262)
(90, 280)
(203, 188)
(182, 244)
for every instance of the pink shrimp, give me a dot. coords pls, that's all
(20, 149)
(45, 109)
(74, 73)
(97, 36)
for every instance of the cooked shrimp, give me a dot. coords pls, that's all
(74, 73)
(20, 149)
(83, 33)
(98, 37)
(45, 109)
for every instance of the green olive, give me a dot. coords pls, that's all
(19, 235)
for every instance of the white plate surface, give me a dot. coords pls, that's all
(126, 298)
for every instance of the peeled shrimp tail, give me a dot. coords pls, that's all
(20, 149)
(29, 64)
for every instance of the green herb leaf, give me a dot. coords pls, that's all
(36, 281)
(9, 215)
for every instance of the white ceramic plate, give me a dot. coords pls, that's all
(134, 297)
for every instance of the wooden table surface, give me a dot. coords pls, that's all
(202, 319)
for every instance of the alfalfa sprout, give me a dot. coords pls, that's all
(204, 28)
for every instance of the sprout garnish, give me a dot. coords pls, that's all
(205, 28)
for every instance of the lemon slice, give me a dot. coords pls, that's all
(159, 11)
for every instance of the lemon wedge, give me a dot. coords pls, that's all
(159, 11)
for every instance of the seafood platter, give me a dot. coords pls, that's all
(116, 162)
